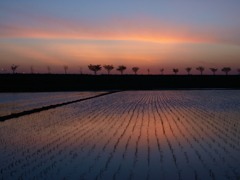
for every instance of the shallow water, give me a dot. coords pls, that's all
(128, 135)
(17, 102)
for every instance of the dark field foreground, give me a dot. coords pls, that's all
(132, 135)
(73, 82)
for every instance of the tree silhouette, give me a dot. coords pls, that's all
(148, 70)
(175, 71)
(65, 69)
(94, 68)
(14, 67)
(49, 69)
(31, 69)
(161, 70)
(121, 69)
(238, 70)
(80, 69)
(3, 70)
(108, 68)
(226, 70)
(135, 69)
(214, 70)
(188, 69)
(201, 69)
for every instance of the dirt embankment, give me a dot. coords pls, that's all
(73, 82)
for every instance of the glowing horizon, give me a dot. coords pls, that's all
(149, 35)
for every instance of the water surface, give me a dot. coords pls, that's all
(128, 135)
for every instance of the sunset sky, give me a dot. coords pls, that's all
(150, 34)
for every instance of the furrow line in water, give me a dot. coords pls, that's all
(197, 145)
(50, 149)
(119, 138)
(125, 146)
(161, 118)
(177, 135)
(103, 144)
(171, 141)
(195, 135)
(77, 143)
(211, 142)
(183, 153)
(137, 158)
(158, 136)
(215, 135)
(67, 135)
(136, 134)
(100, 134)
(55, 136)
(15, 115)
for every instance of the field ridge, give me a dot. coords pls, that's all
(35, 110)
(77, 82)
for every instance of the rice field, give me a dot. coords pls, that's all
(17, 102)
(128, 135)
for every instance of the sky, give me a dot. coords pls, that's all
(150, 34)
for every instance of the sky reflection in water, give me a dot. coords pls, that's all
(128, 135)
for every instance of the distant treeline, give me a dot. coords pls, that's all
(74, 82)
(122, 68)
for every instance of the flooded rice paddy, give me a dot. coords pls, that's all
(127, 135)
(17, 102)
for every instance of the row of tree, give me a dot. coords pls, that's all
(122, 68)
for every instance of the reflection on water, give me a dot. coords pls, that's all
(17, 102)
(128, 135)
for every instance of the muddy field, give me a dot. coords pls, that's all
(128, 135)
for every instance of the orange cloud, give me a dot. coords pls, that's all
(138, 29)
(142, 42)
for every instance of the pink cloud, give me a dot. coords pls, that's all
(135, 29)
